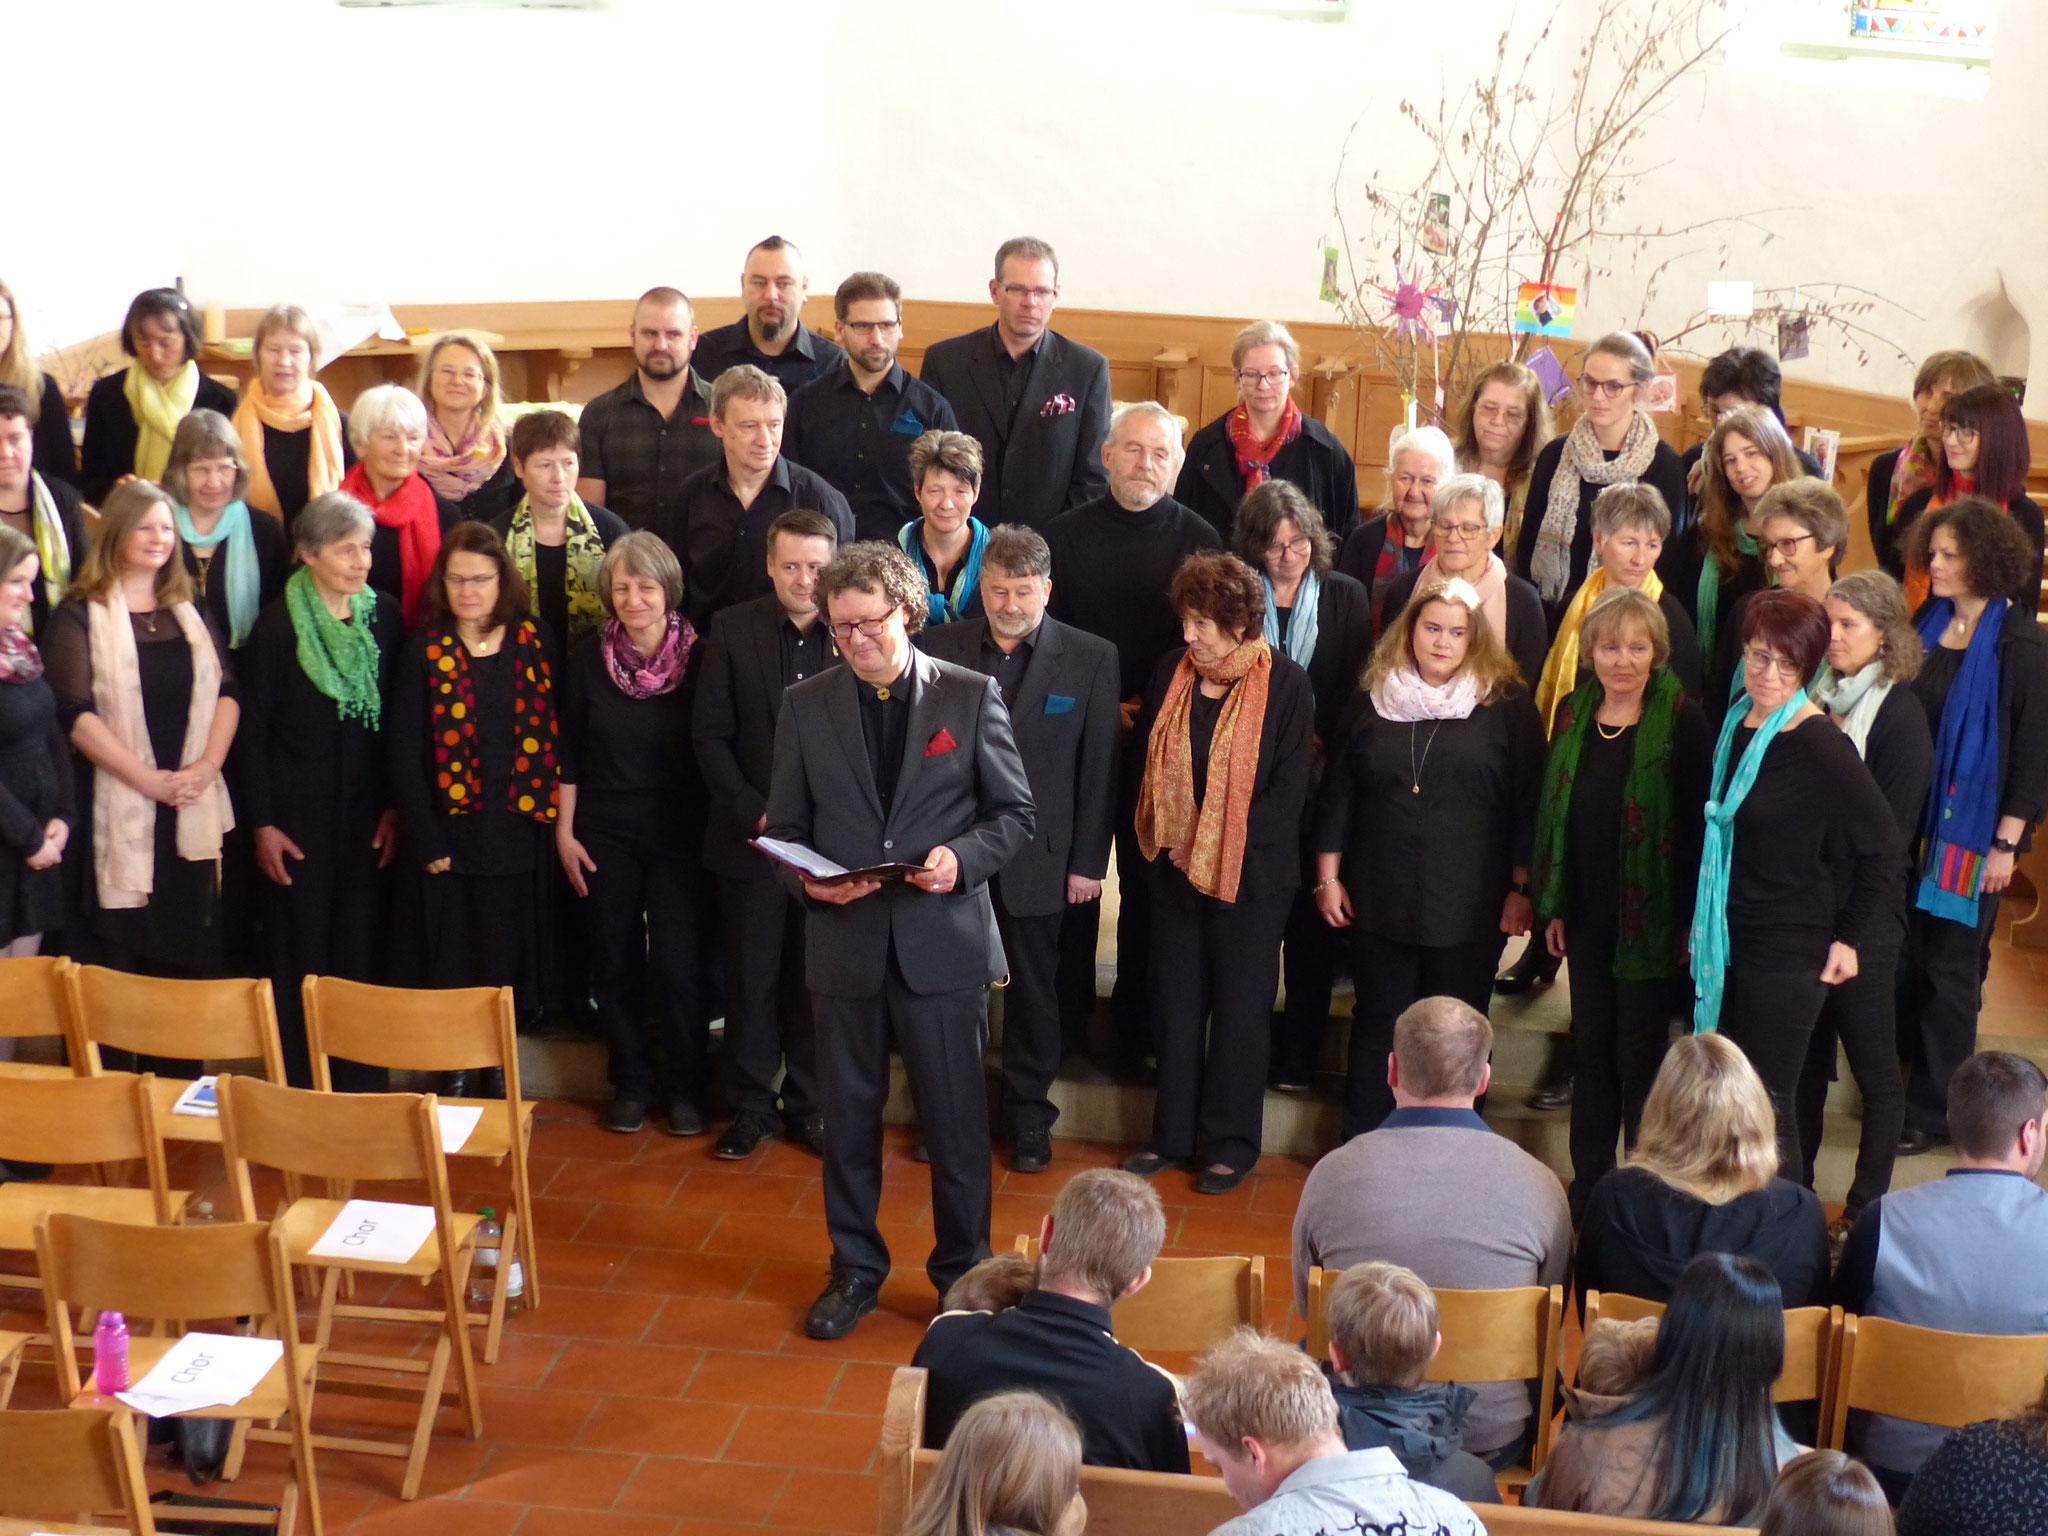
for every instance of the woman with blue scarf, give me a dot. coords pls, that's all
(238, 561)
(1320, 619)
(947, 542)
(1800, 856)
(1985, 685)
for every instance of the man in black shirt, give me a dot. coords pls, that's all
(719, 526)
(642, 440)
(772, 335)
(855, 422)
(1096, 1248)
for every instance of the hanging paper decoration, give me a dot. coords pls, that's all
(1545, 309)
(1409, 305)
(1550, 373)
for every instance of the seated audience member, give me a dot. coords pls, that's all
(1985, 452)
(1965, 1253)
(1465, 521)
(1012, 1468)
(644, 438)
(1267, 436)
(1383, 1334)
(1700, 1442)
(1096, 1247)
(464, 459)
(131, 416)
(296, 438)
(237, 562)
(1386, 1195)
(1827, 1493)
(1986, 1479)
(1396, 540)
(389, 429)
(771, 335)
(1702, 1178)
(552, 535)
(946, 539)
(1267, 1419)
(1895, 476)
(1616, 1357)
(1498, 427)
(996, 1284)
(42, 508)
(1738, 377)
(50, 418)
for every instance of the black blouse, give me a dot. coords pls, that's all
(630, 759)
(288, 456)
(490, 839)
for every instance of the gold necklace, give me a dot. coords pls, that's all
(1606, 735)
(1415, 768)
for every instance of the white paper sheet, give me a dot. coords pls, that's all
(377, 1230)
(1731, 301)
(199, 1099)
(457, 1123)
(809, 860)
(203, 1370)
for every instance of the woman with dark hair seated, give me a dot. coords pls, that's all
(1321, 619)
(1227, 725)
(296, 439)
(237, 562)
(1985, 685)
(1987, 1479)
(1800, 858)
(131, 416)
(1896, 476)
(1985, 453)
(553, 536)
(1699, 1442)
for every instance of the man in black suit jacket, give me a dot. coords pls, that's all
(1036, 402)
(1060, 686)
(897, 758)
(755, 651)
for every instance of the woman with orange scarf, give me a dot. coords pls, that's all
(1227, 726)
(1984, 452)
(297, 441)
(389, 430)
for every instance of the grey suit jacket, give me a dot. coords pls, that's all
(962, 784)
(1065, 717)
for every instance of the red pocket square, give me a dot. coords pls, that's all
(943, 742)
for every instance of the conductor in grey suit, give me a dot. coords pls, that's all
(898, 758)
(1060, 686)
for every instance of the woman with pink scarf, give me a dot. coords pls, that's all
(464, 459)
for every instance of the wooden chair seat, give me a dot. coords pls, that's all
(269, 1401)
(23, 1205)
(306, 1221)
(34, 1070)
(492, 1137)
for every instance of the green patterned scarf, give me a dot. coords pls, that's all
(341, 660)
(586, 553)
(1648, 945)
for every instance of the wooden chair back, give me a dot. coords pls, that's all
(235, 1019)
(1809, 1344)
(381, 1137)
(1505, 1335)
(104, 1119)
(1525, 1520)
(1932, 1377)
(451, 1029)
(35, 999)
(63, 1461)
(1190, 1305)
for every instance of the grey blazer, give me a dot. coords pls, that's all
(962, 784)
(1065, 718)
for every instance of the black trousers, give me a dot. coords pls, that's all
(1215, 973)
(1309, 961)
(941, 1037)
(647, 1001)
(1080, 928)
(1622, 1028)
(1941, 988)
(1130, 1001)
(1861, 1015)
(768, 1026)
(1770, 1014)
(1390, 975)
(1031, 1017)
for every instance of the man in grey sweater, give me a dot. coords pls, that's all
(1434, 1190)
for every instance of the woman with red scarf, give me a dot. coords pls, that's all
(1266, 436)
(1984, 452)
(388, 430)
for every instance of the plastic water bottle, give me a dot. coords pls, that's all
(110, 1353)
(483, 1267)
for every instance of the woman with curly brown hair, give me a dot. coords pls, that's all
(1720, 560)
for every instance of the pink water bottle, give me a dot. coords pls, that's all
(110, 1353)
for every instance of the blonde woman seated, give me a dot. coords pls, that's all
(1012, 1468)
(1703, 1179)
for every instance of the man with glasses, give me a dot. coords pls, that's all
(1036, 402)
(771, 335)
(898, 758)
(855, 422)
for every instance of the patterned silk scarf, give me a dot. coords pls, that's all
(458, 471)
(585, 555)
(534, 783)
(1214, 832)
(1255, 456)
(642, 677)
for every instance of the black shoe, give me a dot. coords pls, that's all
(625, 1116)
(1210, 1182)
(806, 1131)
(1555, 1094)
(1031, 1150)
(846, 1301)
(1913, 1142)
(684, 1119)
(920, 1151)
(454, 1085)
(490, 1083)
(1535, 966)
(746, 1132)
(1147, 1164)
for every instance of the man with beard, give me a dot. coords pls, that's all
(772, 335)
(1060, 686)
(642, 440)
(855, 422)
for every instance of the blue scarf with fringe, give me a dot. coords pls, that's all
(1962, 810)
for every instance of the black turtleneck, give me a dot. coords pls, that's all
(885, 722)
(1111, 570)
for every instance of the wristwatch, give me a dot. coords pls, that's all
(1519, 887)
(2004, 845)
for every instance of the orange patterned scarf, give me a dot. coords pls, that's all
(1168, 817)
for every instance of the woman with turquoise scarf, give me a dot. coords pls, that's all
(1985, 685)
(1799, 859)
(947, 542)
(308, 768)
(238, 561)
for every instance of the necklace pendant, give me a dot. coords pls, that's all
(1415, 789)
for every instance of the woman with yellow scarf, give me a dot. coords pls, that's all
(296, 438)
(131, 416)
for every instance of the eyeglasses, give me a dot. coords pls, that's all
(1299, 546)
(873, 327)
(1960, 434)
(871, 628)
(1607, 388)
(1273, 378)
(1040, 295)
(1789, 548)
(1756, 656)
(471, 583)
(462, 375)
(1464, 533)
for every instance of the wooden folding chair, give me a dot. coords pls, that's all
(1505, 1335)
(232, 1020)
(35, 1003)
(1190, 1305)
(71, 1462)
(344, 1137)
(12, 1347)
(1808, 1375)
(452, 1030)
(1932, 1377)
(234, 1274)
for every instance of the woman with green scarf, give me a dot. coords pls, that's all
(309, 767)
(1618, 826)
(556, 538)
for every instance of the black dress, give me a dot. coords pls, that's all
(53, 453)
(178, 931)
(111, 433)
(551, 577)
(35, 789)
(289, 457)
(210, 572)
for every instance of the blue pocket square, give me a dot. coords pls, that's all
(906, 424)
(1058, 704)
